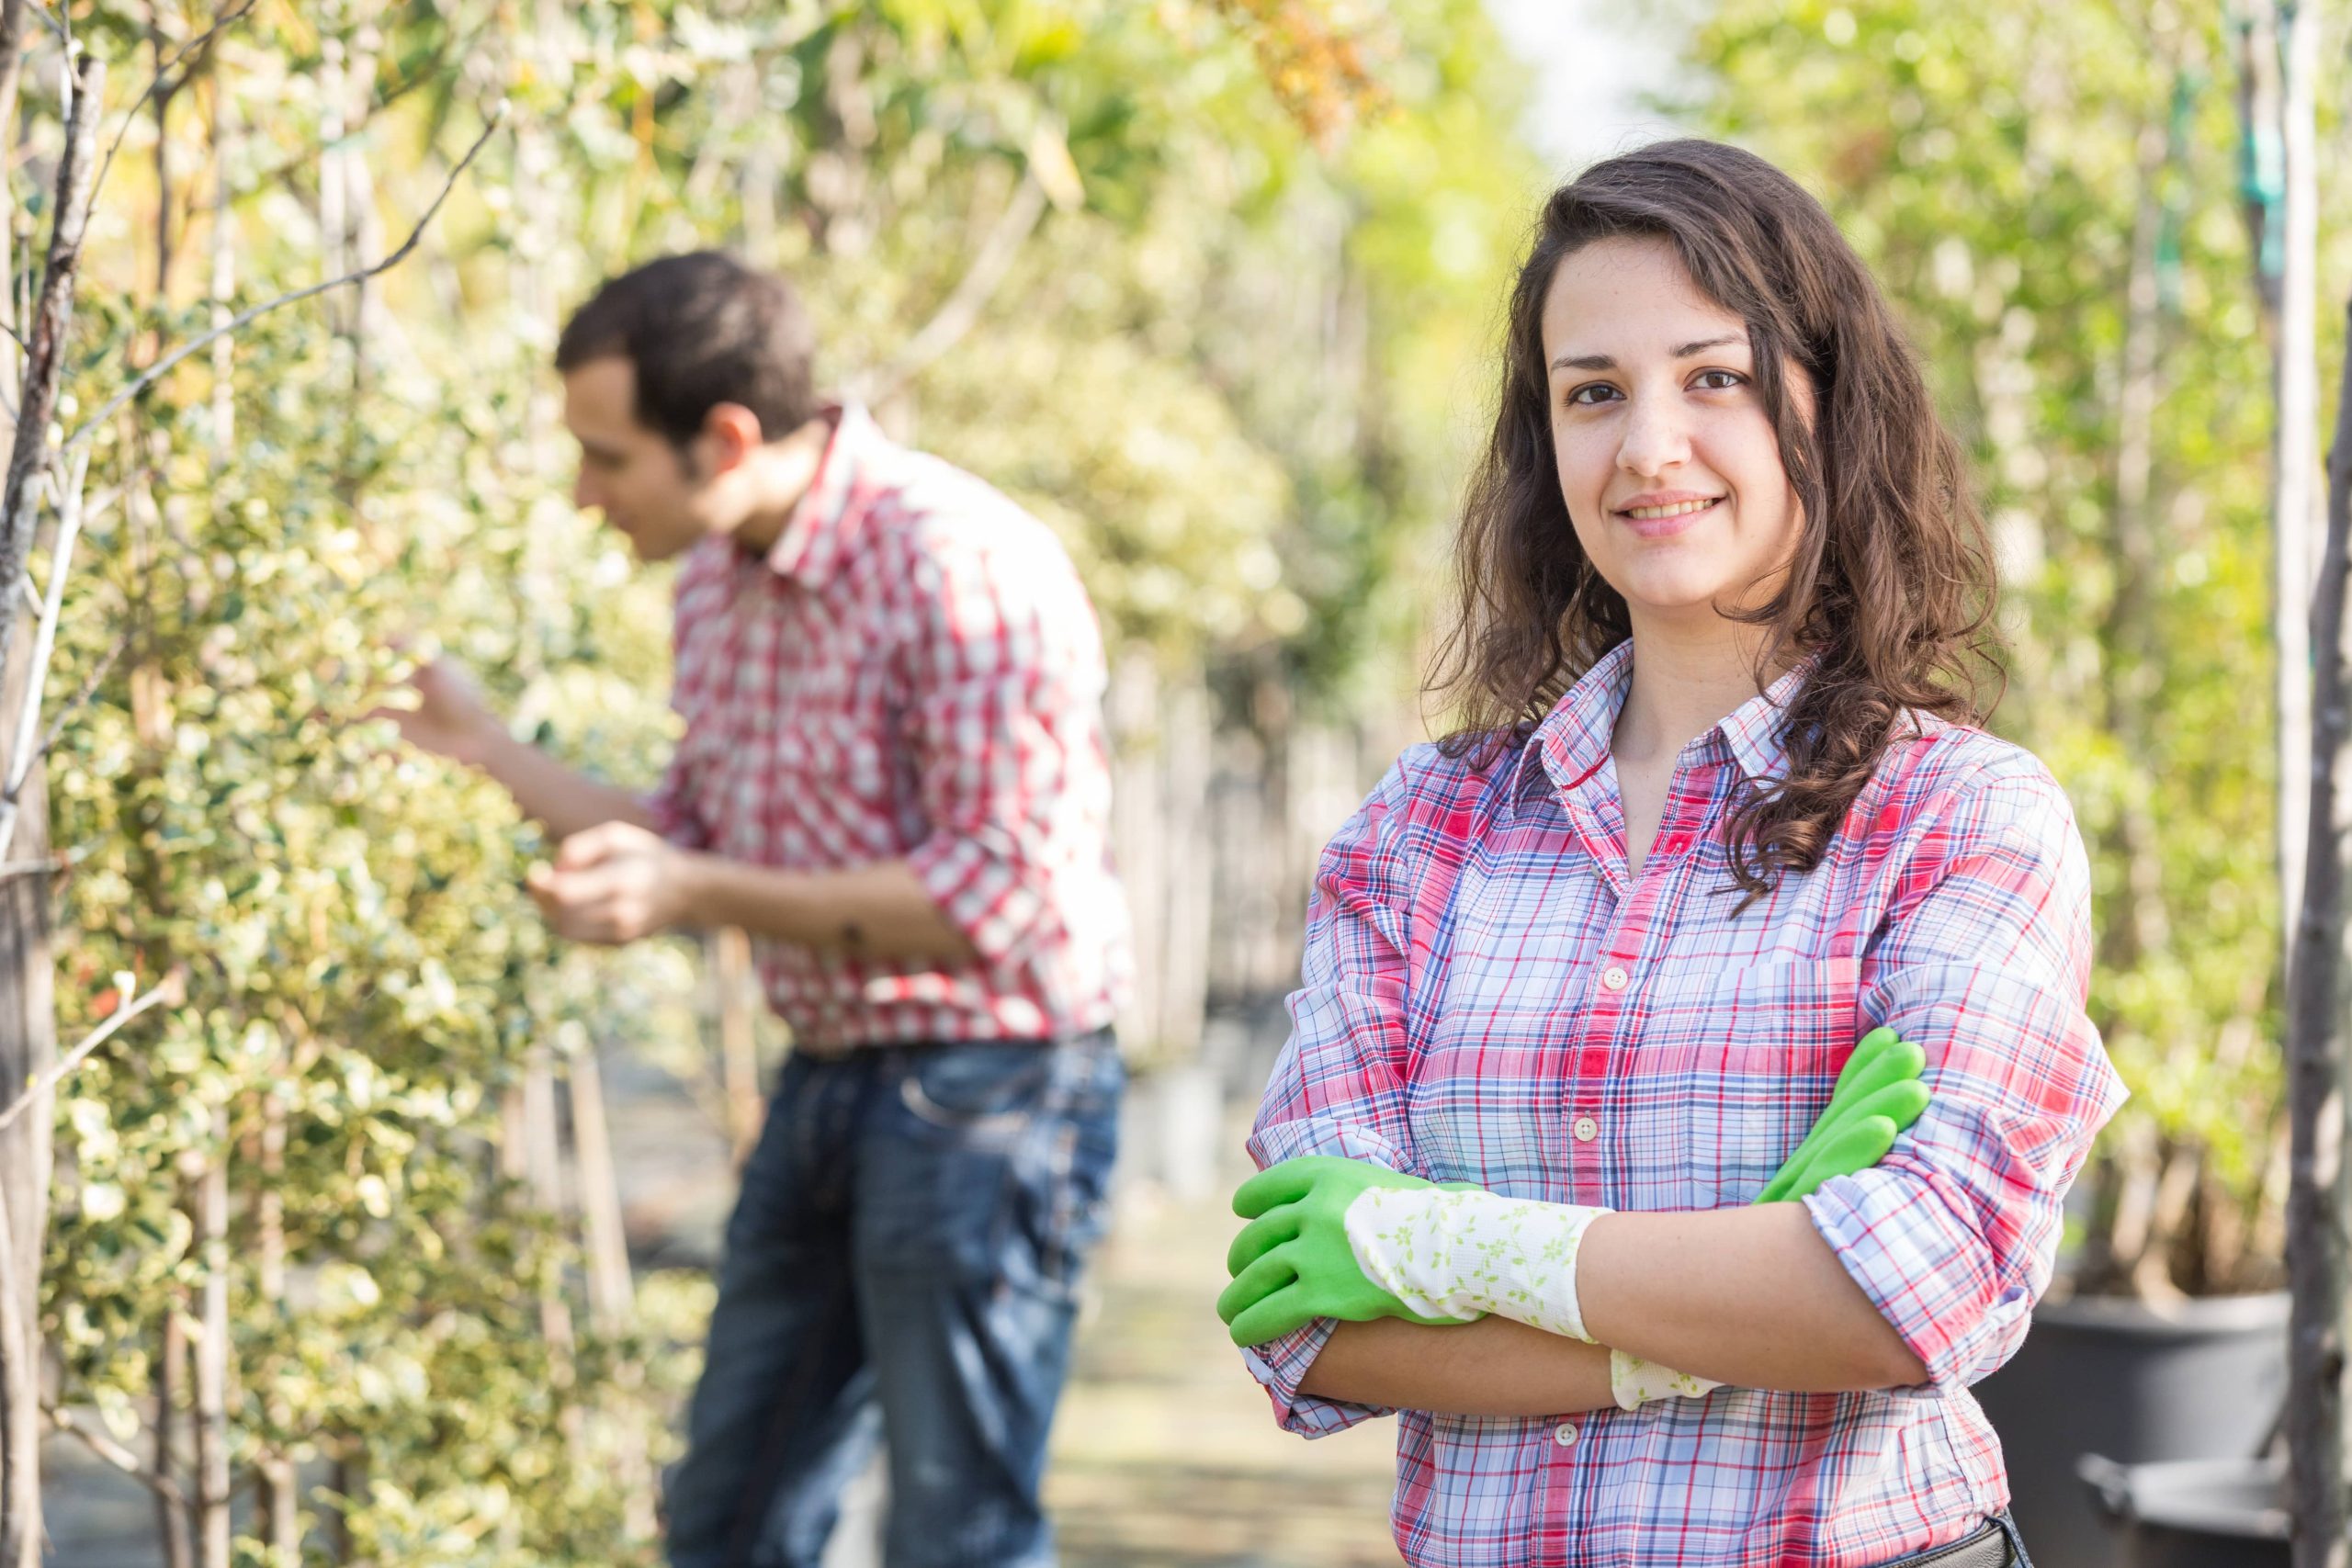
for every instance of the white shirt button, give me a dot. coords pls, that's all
(1565, 1434)
(1614, 978)
(1586, 1128)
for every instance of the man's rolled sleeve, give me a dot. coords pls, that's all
(1984, 963)
(671, 806)
(1004, 720)
(1336, 1089)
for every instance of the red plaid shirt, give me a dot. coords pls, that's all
(912, 672)
(1490, 996)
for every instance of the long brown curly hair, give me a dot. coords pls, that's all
(1891, 591)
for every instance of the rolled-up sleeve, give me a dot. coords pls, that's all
(1338, 1087)
(672, 805)
(1984, 961)
(1004, 725)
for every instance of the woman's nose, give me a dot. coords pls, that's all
(1656, 438)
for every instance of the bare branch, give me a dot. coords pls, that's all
(74, 705)
(171, 989)
(244, 317)
(115, 1454)
(972, 293)
(156, 89)
(61, 562)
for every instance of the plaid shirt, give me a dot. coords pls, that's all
(1490, 997)
(913, 671)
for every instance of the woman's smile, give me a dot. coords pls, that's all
(1664, 518)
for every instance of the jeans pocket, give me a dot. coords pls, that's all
(996, 1166)
(987, 1094)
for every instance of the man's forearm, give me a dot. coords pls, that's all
(1492, 1367)
(882, 910)
(564, 800)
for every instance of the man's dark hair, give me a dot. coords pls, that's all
(701, 329)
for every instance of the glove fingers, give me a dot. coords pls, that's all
(1890, 1061)
(1284, 1182)
(1261, 1279)
(1882, 1060)
(1866, 1052)
(1900, 1103)
(1854, 1147)
(1262, 1236)
(1277, 1315)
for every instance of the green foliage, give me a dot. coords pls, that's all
(1988, 162)
(1214, 366)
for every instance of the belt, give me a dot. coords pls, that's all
(1985, 1548)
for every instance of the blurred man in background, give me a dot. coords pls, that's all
(894, 775)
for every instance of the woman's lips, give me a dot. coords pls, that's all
(1667, 528)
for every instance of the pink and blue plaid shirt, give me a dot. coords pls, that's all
(1490, 997)
(912, 672)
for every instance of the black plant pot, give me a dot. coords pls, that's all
(2199, 1379)
(2198, 1513)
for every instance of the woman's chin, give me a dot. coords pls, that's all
(1677, 595)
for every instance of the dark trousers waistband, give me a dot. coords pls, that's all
(1994, 1544)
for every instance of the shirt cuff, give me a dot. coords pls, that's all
(1281, 1364)
(676, 825)
(1927, 1270)
(980, 894)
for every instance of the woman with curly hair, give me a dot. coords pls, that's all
(1720, 841)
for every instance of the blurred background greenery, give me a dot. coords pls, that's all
(1212, 286)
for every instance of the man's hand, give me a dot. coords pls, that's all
(450, 719)
(613, 884)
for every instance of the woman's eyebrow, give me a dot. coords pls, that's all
(1683, 351)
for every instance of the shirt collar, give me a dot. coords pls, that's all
(1573, 741)
(826, 516)
(1757, 730)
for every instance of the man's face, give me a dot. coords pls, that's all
(645, 487)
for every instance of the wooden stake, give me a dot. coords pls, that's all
(738, 1056)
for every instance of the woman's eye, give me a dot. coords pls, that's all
(1720, 380)
(1578, 397)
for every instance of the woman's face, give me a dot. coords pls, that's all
(1668, 463)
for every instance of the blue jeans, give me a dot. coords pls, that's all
(903, 1262)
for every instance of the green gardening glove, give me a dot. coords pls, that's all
(1878, 1095)
(1292, 1262)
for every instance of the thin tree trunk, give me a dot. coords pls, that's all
(37, 403)
(2295, 459)
(2317, 1058)
(27, 1020)
(280, 1502)
(224, 274)
(212, 1355)
(2133, 651)
(12, 61)
(171, 1368)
